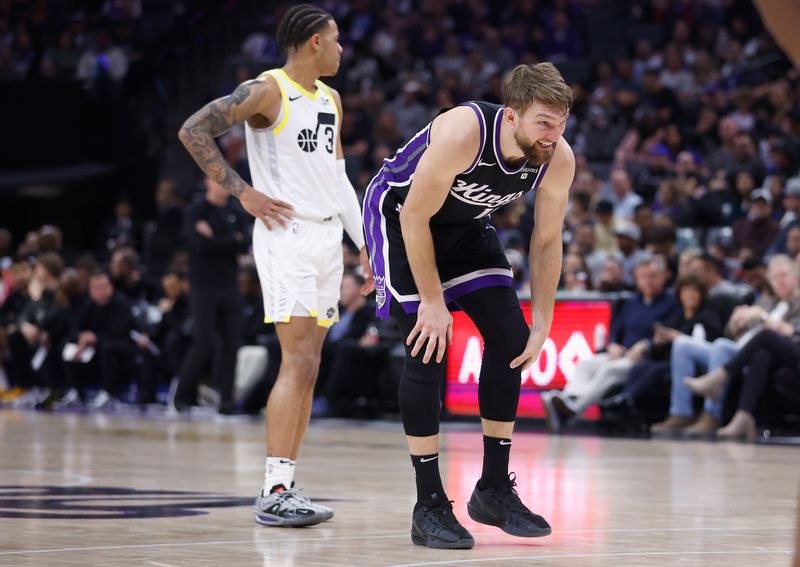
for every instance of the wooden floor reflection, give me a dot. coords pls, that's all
(100, 490)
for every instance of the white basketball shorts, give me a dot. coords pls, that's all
(300, 268)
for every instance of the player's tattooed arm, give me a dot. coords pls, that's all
(199, 131)
(257, 102)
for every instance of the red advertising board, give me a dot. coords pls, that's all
(579, 328)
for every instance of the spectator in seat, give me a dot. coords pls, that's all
(354, 317)
(605, 227)
(772, 350)
(759, 229)
(122, 230)
(102, 64)
(173, 334)
(628, 238)
(35, 363)
(793, 242)
(612, 277)
(630, 335)
(723, 295)
(73, 295)
(359, 372)
(694, 319)
(583, 244)
(691, 356)
(104, 326)
(128, 279)
(753, 273)
(790, 218)
(621, 195)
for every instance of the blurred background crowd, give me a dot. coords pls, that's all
(684, 211)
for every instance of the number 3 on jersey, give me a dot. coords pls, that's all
(307, 140)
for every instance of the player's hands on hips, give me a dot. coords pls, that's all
(369, 281)
(434, 325)
(532, 349)
(266, 209)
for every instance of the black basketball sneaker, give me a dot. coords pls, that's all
(433, 524)
(500, 506)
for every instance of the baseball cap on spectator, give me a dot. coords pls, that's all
(762, 194)
(792, 188)
(629, 230)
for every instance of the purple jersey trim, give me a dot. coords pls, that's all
(462, 289)
(482, 124)
(375, 242)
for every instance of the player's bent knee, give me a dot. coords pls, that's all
(415, 369)
(505, 343)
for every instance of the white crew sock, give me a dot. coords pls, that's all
(278, 470)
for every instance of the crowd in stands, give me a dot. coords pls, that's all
(97, 43)
(685, 208)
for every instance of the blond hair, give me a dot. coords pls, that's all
(541, 83)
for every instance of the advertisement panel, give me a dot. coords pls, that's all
(579, 329)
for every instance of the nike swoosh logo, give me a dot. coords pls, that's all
(484, 163)
(293, 98)
(429, 460)
(505, 443)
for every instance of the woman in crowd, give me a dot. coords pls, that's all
(694, 319)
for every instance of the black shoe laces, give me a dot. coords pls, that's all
(442, 518)
(440, 508)
(508, 496)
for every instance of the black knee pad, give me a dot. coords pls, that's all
(498, 389)
(419, 396)
(420, 391)
(497, 314)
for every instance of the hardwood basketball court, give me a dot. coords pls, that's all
(81, 490)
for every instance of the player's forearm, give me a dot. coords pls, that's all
(422, 258)
(351, 215)
(201, 145)
(545, 261)
(198, 135)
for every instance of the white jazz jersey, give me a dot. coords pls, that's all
(299, 266)
(294, 160)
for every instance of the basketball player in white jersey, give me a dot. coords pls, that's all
(301, 198)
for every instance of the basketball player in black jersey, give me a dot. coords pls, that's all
(426, 216)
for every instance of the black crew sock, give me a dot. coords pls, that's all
(429, 483)
(495, 462)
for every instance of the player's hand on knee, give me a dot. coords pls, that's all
(434, 326)
(269, 211)
(531, 352)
